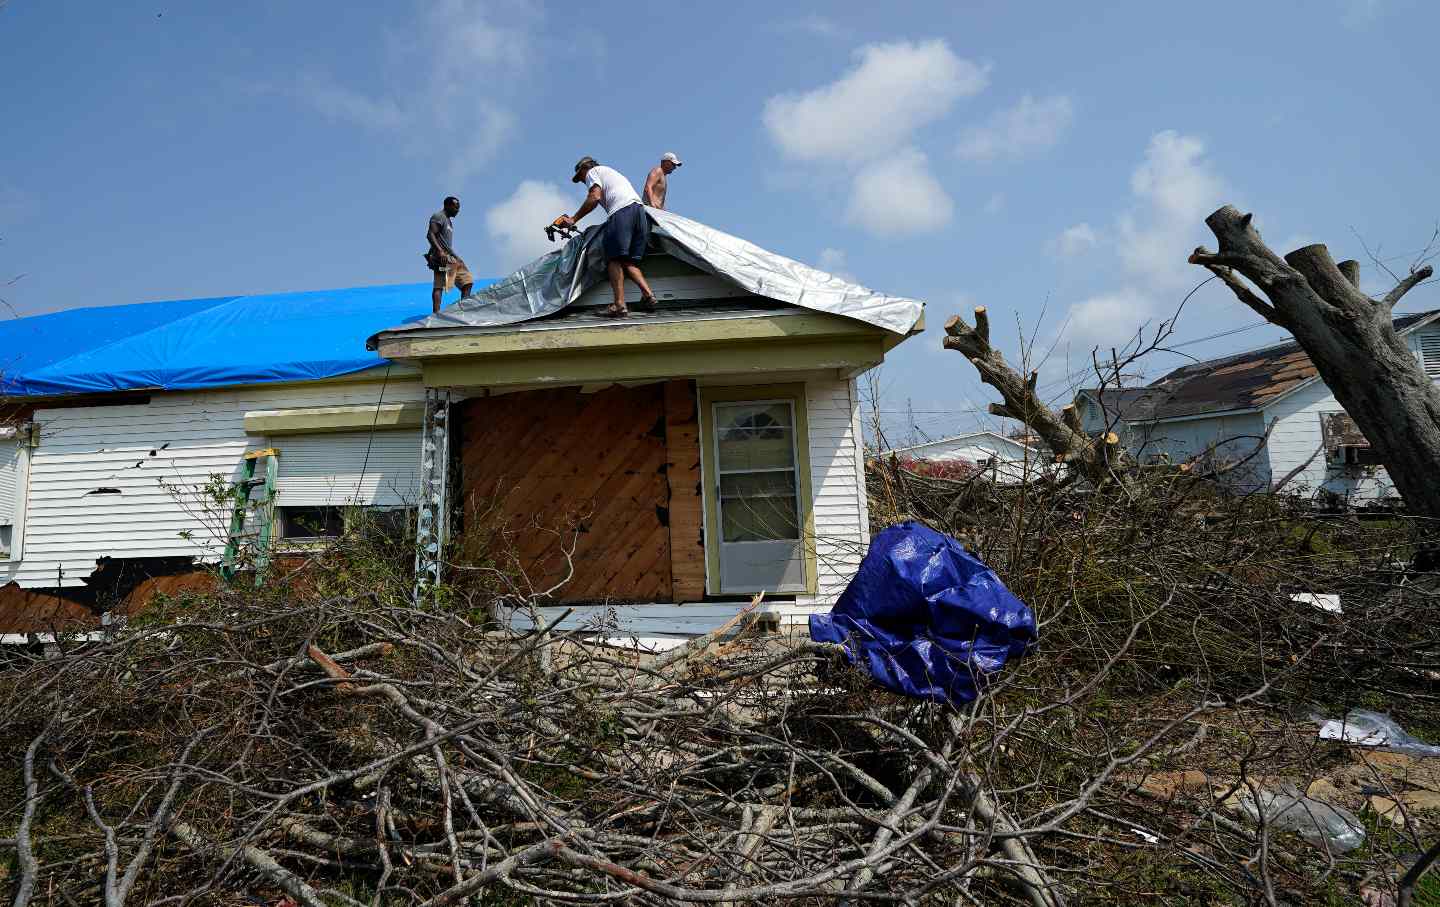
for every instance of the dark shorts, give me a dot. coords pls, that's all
(626, 233)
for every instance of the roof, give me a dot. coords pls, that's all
(558, 279)
(969, 436)
(199, 343)
(1238, 382)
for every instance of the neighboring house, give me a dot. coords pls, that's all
(1006, 459)
(1220, 410)
(692, 456)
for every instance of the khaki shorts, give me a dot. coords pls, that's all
(456, 275)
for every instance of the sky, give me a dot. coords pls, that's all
(1053, 162)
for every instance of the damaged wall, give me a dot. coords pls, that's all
(119, 481)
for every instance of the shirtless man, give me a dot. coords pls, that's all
(656, 184)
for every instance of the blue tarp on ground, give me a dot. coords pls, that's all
(197, 343)
(925, 617)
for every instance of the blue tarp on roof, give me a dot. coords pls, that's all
(197, 343)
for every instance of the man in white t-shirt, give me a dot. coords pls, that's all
(627, 230)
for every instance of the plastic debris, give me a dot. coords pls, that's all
(925, 617)
(1325, 601)
(1365, 728)
(1322, 824)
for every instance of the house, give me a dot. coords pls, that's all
(691, 456)
(1006, 459)
(1222, 409)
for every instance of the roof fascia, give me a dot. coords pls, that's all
(1216, 414)
(588, 366)
(633, 335)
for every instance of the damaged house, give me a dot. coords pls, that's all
(1222, 410)
(677, 461)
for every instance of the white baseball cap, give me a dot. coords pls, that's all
(670, 156)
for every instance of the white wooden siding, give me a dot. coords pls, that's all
(381, 468)
(1233, 437)
(1298, 435)
(123, 481)
(837, 481)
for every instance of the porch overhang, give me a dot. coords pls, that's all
(640, 349)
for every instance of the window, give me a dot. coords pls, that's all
(755, 460)
(331, 483)
(330, 522)
(1429, 343)
(309, 522)
(10, 450)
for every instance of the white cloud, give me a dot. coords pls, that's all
(1108, 318)
(452, 46)
(341, 104)
(1027, 127)
(814, 24)
(517, 224)
(1175, 188)
(876, 106)
(898, 196)
(1074, 241)
(833, 261)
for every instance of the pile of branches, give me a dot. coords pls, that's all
(352, 751)
(322, 739)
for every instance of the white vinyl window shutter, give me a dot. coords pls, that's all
(9, 481)
(1430, 352)
(380, 469)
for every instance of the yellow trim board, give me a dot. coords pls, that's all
(795, 393)
(594, 366)
(319, 419)
(632, 334)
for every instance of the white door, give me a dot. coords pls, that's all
(757, 493)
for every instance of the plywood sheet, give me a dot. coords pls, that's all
(558, 467)
(682, 470)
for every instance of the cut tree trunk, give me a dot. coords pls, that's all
(1351, 340)
(1095, 458)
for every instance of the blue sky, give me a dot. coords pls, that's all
(1053, 162)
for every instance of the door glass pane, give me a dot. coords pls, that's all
(761, 519)
(756, 457)
(755, 436)
(757, 485)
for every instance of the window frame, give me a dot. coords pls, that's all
(758, 394)
(23, 437)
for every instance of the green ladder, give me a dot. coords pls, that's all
(243, 503)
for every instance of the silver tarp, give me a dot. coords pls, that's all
(555, 280)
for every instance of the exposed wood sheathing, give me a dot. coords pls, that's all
(687, 535)
(556, 465)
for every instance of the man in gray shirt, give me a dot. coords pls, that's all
(449, 268)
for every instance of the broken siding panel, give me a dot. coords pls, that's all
(123, 481)
(837, 483)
